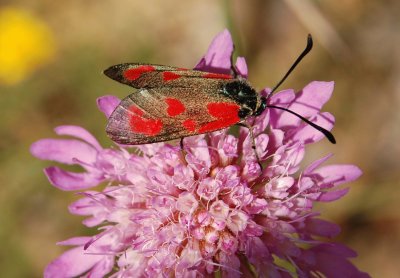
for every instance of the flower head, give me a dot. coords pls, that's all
(163, 214)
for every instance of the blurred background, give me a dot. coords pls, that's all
(52, 54)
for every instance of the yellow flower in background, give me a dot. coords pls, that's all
(26, 42)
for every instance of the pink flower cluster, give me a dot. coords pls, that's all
(213, 211)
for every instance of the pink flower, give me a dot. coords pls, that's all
(163, 215)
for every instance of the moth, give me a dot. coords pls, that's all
(174, 103)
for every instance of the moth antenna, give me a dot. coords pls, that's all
(298, 60)
(327, 133)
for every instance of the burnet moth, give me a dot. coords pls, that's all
(175, 103)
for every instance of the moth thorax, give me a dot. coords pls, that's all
(243, 94)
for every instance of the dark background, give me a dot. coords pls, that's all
(356, 45)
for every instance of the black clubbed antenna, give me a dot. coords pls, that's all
(301, 56)
(327, 133)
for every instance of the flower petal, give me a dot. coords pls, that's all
(336, 249)
(261, 122)
(90, 206)
(78, 132)
(218, 56)
(308, 134)
(307, 103)
(338, 174)
(332, 195)
(316, 164)
(64, 151)
(320, 227)
(107, 104)
(241, 67)
(70, 181)
(73, 262)
(334, 265)
(310, 100)
(102, 268)
(277, 116)
(81, 240)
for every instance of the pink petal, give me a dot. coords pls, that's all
(276, 137)
(64, 151)
(321, 227)
(102, 268)
(93, 221)
(78, 132)
(258, 254)
(338, 174)
(89, 206)
(218, 56)
(307, 134)
(280, 99)
(337, 267)
(335, 249)
(261, 122)
(333, 195)
(307, 103)
(70, 181)
(310, 100)
(241, 67)
(316, 164)
(72, 263)
(82, 240)
(85, 206)
(331, 261)
(107, 104)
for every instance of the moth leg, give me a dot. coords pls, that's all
(253, 142)
(183, 151)
(181, 143)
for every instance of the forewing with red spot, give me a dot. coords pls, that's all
(161, 114)
(156, 76)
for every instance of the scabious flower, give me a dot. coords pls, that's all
(214, 211)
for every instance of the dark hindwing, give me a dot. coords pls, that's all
(156, 76)
(165, 113)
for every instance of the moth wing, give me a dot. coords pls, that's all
(162, 114)
(155, 76)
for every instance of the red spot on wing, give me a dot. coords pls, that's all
(175, 107)
(136, 110)
(217, 76)
(190, 125)
(139, 124)
(135, 73)
(167, 76)
(226, 114)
